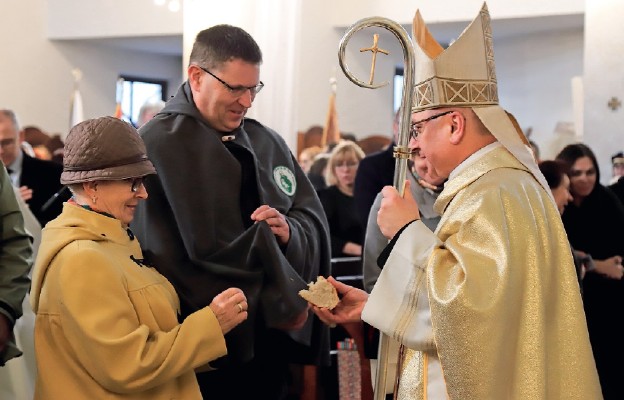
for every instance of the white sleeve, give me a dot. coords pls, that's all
(398, 305)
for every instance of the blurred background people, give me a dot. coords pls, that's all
(55, 147)
(617, 167)
(555, 172)
(591, 220)
(318, 170)
(346, 231)
(38, 180)
(149, 111)
(107, 323)
(15, 263)
(375, 171)
(38, 141)
(306, 157)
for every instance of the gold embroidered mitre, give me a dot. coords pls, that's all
(442, 81)
(464, 75)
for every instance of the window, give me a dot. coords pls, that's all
(133, 93)
(398, 88)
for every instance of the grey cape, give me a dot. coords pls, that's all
(193, 231)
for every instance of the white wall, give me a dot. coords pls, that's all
(108, 18)
(345, 12)
(35, 73)
(534, 72)
(535, 82)
(604, 78)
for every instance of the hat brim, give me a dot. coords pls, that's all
(128, 171)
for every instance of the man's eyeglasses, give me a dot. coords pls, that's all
(136, 184)
(416, 128)
(237, 91)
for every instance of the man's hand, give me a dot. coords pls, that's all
(396, 211)
(349, 308)
(26, 193)
(277, 222)
(6, 331)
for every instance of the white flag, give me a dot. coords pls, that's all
(76, 114)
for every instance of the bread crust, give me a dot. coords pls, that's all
(321, 293)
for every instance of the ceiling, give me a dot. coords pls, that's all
(443, 32)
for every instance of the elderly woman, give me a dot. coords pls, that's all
(345, 229)
(106, 323)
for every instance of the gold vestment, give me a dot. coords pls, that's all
(492, 294)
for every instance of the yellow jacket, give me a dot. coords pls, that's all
(107, 326)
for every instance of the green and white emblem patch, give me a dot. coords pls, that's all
(285, 180)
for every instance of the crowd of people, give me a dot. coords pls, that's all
(171, 257)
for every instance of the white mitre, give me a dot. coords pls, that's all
(464, 75)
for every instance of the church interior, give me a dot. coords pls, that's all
(558, 65)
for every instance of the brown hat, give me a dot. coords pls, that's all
(104, 148)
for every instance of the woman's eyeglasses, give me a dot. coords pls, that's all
(136, 183)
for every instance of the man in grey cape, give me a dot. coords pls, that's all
(231, 207)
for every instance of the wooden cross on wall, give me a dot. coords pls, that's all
(614, 103)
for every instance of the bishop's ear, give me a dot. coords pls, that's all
(457, 127)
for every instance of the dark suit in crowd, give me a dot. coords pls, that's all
(43, 177)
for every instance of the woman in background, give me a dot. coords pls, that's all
(591, 220)
(345, 229)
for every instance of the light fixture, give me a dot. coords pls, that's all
(172, 5)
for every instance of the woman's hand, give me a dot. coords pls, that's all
(230, 308)
(352, 249)
(611, 267)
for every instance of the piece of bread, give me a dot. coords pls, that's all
(321, 293)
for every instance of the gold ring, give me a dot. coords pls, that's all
(240, 308)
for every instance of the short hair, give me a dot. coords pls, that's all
(318, 164)
(150, 107)
(573, 152)
(10, 114)
(221, 43)
(311, 151)
(341, 150)
(553, 171)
